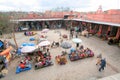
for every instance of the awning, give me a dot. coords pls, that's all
(54, 19)
(99, 22)
(51, 19)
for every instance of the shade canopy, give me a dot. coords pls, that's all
(72, 49)
(66, 45)
(27, 44)
(45, 30)
(28, 49)
(76, 40)
(42, 39)
(44, 43)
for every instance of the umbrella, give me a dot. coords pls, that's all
(31, 44)
(76, 40)
(42, 39)
(44, 43)
(27, 44)
(72, 49)
(66, 45)
(28, 49)
(45, 30)
(32, 39)
(1, 43)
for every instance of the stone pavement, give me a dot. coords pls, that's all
(113, 77)
(84, 69)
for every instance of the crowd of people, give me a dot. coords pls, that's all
(25, 62)
(29, 33)
(43, 58)
(61, 59)
(76, 54)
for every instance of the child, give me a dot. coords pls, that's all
(99, 57)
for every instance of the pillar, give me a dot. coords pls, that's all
(100, 30)
(118, 33)
(109, 29)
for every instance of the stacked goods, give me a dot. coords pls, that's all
(80, 54)
(61, 59)
(42, 60)
(24, 65)
(65, 36)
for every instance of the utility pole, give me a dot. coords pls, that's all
(14, 36)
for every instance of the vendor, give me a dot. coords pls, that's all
(77, 45)
(81, 47)
(22, 65)
(25, 33)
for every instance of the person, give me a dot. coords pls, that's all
(6, 44)
(87, 51)
(61, 40)
(77, 45)
(0, 32)
(25, 33)
(87, 34)
(62, 60)
(36, 59)
(53, 44)
(102, 64)
(48, 52)
(99, 57)
(71, 32)
(76, 35)
(22, 65)
(47, 49)
(1, 75)
(81, 47)
(80, 29)
(45, 54)
(60, 34)
(57, 44)
(111, 41)
(47, 62)
(108, 33)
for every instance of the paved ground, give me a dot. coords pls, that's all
(84, 69)
(113, 77)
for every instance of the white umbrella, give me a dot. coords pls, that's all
(76, 40)
(45, 30)
(66, 45)
(42, 39)
(44, 43)
(28, 49)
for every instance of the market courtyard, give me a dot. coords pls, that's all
(84, 69)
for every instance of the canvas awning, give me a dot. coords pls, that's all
(98, 22)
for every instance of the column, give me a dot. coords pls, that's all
(100, 30)
(118, 33)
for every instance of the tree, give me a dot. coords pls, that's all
(5, 23)
(6, 26)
